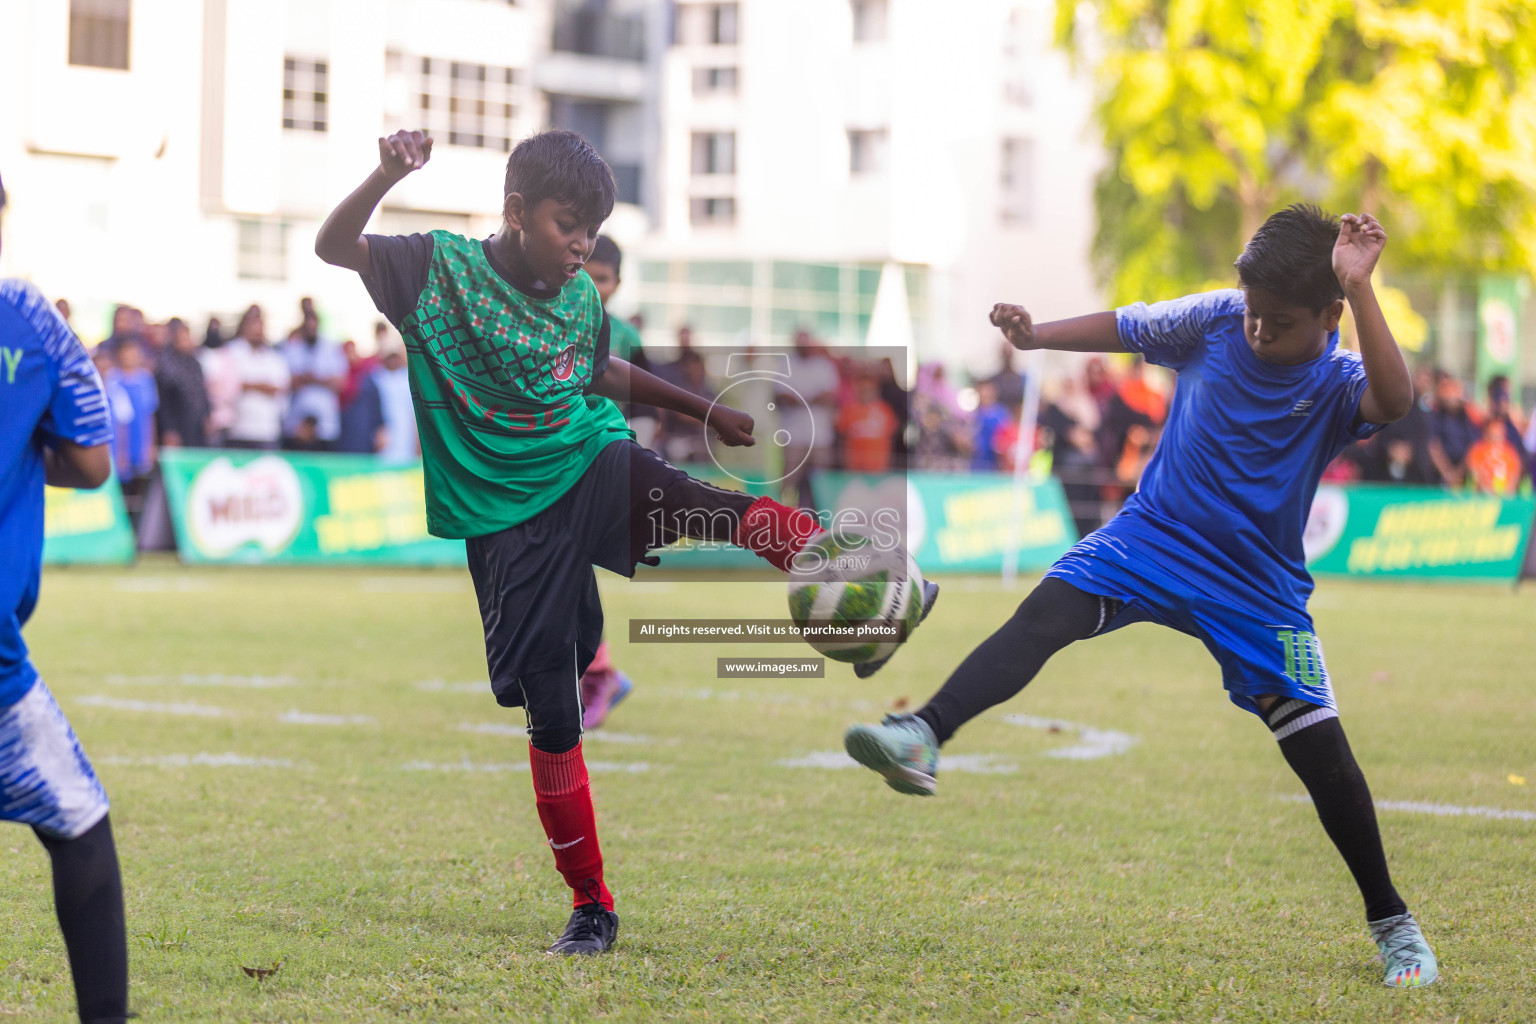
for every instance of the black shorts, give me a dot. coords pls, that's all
(534, 581)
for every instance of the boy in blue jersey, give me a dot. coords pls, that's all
(54, 427)
(1211, 542)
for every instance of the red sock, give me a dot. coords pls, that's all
(775, 532)
(564, 798)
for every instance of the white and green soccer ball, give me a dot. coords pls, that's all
(842, 580)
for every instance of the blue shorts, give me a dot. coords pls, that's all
(1264, 645)
(46, 781)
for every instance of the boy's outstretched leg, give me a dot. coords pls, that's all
(88, 897)
(1315, 747)
(563, 795)
(905, 748)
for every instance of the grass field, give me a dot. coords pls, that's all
(373, 832)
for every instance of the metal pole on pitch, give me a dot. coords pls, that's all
(1023, 453)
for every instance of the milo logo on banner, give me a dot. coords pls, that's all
(260, 503)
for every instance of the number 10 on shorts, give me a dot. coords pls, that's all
(1303, 657)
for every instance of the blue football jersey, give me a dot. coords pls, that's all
(49, 392)
(1245, 444)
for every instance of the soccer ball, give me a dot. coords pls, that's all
(840, 581)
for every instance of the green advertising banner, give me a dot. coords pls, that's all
(86, 527)
(964, 522)
(283, 507)
(1499, 301)
(1387, 531)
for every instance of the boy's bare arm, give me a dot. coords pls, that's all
(340, 241)
(1389, 387)
(1095, 332)
(624, 382)
(66, 464)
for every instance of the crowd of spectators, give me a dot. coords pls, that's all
(1096, 428)
(170, 389)
(1448, 441)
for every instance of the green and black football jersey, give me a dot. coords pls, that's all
(623, 340)
(499, 376)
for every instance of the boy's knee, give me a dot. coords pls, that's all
(556, 739)
(1060, 613)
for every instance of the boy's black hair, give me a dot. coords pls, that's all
(2, 195)
(1292, 255)
(606, 251)
(561, 165)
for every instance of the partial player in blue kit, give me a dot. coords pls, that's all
(1211, 542)
(54, 426)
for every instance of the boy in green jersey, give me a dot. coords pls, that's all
(528, 459)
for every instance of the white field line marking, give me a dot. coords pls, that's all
(117, 704)
(439, 686)
(216, 679)
(412, 585)
(295, 717)
(517, 766)
(162, 584)
(1439, 810)
(203, 760)
(973, 764)
(1092, 743)
(603, 735)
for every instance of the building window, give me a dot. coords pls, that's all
(98, 33)
(1017, 182)
(707, 24)
(713, 80)
(712, 211)
(866, 151)
(720, 24)
(465, 104)
(869, 21)
(304, 94)
(1018, 88)
(714, 152)
(263, 250)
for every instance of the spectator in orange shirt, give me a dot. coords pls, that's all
(1140, 396)
(868, 428)
(1493, 463)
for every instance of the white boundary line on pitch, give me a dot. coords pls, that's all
(295, 717)
(1092, 743)
(202, 760)
(1438, 810)
(210, 679)
(178, 708)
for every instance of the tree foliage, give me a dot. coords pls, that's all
(1217, 112)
